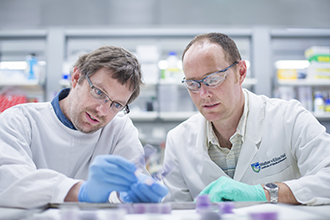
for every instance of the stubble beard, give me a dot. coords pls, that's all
(79, 123)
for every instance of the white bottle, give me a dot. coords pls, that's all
(318, 102)
(172, 73)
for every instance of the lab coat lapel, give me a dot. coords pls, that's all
(206, 167)
(248, 151)
(253, 135)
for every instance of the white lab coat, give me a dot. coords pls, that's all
(41, 159)
(285, 139)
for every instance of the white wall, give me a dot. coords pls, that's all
(233, 13)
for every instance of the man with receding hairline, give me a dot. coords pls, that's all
(242, 146)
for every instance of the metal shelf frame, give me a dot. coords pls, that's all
(260, 43)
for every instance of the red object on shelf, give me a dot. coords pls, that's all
(7, 101)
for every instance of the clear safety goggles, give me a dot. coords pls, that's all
(212, 80)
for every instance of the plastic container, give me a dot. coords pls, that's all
(32, 61)
(152, 208)
(168, 97)
(319, 70)
(305, 96)
(203, 204)
(172, 72)
(316, 50)
(318, 102)
(327, 105)
(263, 216)
(226, 207)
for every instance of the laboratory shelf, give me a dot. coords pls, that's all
(164, 116)
(30, 87)
(20, 83)
(304, 82)
(181, 116)
(322, 116)
(25, 34)
(151, 32)
(15, 45)
(143, 116)
(170, 82)
(64, 83)
(176, 116)
(300, 32)
(246, 83)
(249, 82)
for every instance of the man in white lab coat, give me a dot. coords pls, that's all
(80, 146)
(242, 146)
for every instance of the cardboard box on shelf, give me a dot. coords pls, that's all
(287, 74)
(316, 50)
(318, 70)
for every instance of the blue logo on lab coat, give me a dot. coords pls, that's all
(256, 167)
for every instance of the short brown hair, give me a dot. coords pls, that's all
(227, 44)
(123, 65)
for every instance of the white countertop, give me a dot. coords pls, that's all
(283, 211)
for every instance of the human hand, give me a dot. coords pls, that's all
(107, 173)
(146, 190)
(224, 189)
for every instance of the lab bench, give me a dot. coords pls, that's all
(179, 211)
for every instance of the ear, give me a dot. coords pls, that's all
(75, 77)
(242, 70)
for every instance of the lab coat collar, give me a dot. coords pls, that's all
(254, 133)
(255, 118)
(252, 139)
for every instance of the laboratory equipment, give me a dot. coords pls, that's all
(327, 105)
(318, 102)
(210, 216)
(32, 61)
(226, 207)
(203, 203)
(69, 212)
(173, 72)
(155, 208)
(207, 209)
(263, 216)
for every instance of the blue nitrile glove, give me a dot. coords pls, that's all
(107, 173)
(227, 189)
(124, 197)
(146, 190)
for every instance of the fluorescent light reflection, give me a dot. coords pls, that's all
(13, 65)
(247, 64)
(292, 64)
(17, 65)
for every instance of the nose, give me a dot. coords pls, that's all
(204, 91)
(103, 109)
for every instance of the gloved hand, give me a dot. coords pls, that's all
(107, 173)
(146, 190)
(224, 189)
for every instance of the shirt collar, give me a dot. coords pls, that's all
(240, 130)
(58, 111)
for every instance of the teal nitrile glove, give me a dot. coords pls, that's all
(146, 190)
(224, 189)
(107, 173)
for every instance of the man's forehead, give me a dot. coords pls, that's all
(206, 50)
